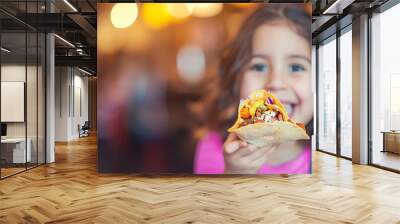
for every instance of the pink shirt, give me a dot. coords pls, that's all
(209, 159)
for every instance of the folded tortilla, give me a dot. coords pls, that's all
(269, 130)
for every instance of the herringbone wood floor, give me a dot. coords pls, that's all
(71, 191)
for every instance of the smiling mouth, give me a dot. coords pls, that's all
(289, 107)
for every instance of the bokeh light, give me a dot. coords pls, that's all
(205, 10)
(155, 15)
(243, 4)
(191, 63)
(180, 10)
(123, 15)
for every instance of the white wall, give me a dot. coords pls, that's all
(12, 73)
(33, 127)
(61, 103)
(70, 84)
(79, 115)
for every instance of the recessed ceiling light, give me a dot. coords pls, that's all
(84, 71)
(337, 7)
(70, 5)
(65, 41)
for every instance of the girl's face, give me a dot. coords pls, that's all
(281, 63)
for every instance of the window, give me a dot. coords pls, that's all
(327, 96)
(385, 88)
(346, 93)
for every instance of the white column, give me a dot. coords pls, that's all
(62, 103)
(50, 99)
(50, 92)
(360, 90)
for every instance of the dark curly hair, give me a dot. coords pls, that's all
(223, 100)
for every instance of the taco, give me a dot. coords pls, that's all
(262, 120)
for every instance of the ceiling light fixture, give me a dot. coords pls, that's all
(329, 9)
(64, 40)
(5, 50)
(337, 7)
(70, 5)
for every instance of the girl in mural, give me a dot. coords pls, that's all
(271, 51)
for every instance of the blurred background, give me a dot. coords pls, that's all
(155, 64)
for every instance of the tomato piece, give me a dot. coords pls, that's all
(301, 125)
(245, 113)
(258, 121)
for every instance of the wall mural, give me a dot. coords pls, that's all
(204, 88)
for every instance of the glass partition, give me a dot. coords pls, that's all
(41, 91)
(31, 99)
(13, 105)
(22, 88)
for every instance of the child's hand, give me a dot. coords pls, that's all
(243, 158)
